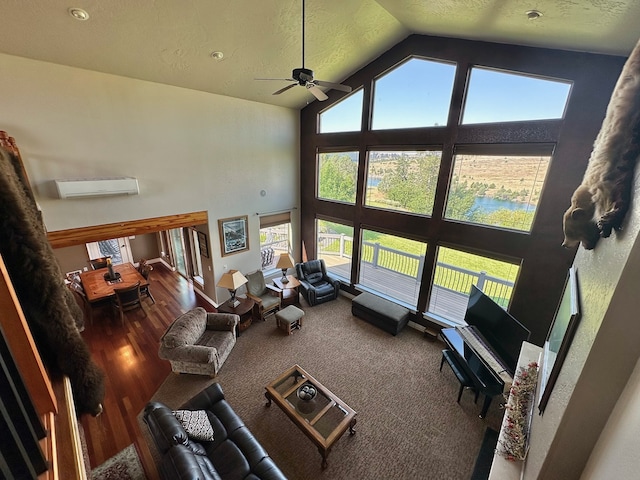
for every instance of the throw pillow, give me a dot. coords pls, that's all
(196, 423)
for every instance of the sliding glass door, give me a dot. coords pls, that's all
(178, 251)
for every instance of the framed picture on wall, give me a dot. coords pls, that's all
(202, 243)
(234, 235)
(559, 338)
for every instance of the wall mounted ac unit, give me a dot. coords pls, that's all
(96, 187)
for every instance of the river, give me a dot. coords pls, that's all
(490, 205)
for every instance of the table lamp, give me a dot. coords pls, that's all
(232, 280)
(285, 262)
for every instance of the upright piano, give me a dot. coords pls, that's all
(479, 360)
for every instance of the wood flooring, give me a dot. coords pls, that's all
(128, 355)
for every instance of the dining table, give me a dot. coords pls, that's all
(98, 287)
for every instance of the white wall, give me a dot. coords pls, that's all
(190, 150)
(601, 359)
(616, 453)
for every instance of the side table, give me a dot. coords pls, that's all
(290, 294)
(243, 310)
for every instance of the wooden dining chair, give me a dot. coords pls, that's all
(145, 271)
(98, 263)
(127, 298)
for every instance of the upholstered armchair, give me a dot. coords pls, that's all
(268, 298)
(199, 342)
(316, 285)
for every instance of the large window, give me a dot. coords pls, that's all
(392, 265)
(456, 271)
(495, 96)
(456, 154)
(497, 190)
(337, 175)
(402, 180)
(275, 238)
(416, 93)
(344, 116)
(335, 247)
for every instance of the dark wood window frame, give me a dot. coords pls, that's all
(543, 261)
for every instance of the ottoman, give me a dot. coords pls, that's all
(289, 318)
(380, 312)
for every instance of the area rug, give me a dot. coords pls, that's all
(124, 465)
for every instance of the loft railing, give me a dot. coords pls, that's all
(447, 276)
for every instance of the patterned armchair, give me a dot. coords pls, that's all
(199, 342)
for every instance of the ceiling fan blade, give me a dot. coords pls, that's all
(316, 92)
(335, 86)
(284, 89)
(280, 79)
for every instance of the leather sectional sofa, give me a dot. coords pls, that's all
(233, 454)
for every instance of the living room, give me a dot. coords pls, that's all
(192, 151)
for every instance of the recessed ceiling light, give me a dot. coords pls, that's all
(217, 55)
(533, 14)
(78, 13)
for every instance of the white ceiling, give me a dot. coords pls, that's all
(170, 41)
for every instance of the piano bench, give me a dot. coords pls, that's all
(465, 381)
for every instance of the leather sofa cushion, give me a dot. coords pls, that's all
(179, 463)
(164, 426)
(323, 288)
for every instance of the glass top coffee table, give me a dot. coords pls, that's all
(315, 410)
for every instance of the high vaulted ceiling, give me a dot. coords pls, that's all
(171, 41)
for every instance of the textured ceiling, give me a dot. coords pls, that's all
(170, 41)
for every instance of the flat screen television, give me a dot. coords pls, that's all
(501, 331)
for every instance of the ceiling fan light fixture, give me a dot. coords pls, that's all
(78, 13)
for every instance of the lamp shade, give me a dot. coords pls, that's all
(232, 280)
(285, 261)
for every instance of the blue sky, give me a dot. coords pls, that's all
(418, 93)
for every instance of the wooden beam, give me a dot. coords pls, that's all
(78, 236)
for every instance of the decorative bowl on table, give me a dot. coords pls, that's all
(307, 392)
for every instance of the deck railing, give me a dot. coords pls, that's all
(447, 276)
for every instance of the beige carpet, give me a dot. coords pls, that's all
(409, 425)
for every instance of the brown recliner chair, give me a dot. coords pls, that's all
(316, 285)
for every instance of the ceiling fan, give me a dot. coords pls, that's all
(304, 77)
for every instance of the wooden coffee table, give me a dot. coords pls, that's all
(323, 419)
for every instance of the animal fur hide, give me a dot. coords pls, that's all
(48, 305)
(602, 200)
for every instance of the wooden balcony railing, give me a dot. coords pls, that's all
(407, 269)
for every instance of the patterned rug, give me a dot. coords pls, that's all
(124, 465)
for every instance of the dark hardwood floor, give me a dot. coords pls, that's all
(128, 355)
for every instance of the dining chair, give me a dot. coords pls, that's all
(98, 263)
(127, 298)
(145, 271)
